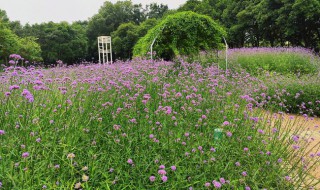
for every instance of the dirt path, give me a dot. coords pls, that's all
(306, 128)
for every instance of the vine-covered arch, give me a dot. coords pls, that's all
(183, 33)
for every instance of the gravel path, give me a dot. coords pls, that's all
(309, 129)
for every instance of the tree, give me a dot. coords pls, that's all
(10, 43)
(303, 25)
(27, 47)
(126, 36)
(3, 16)
(109, 18)
(184, 33)
(190, 5)
(30, 49)
(156, 11)
(247, 20)
(145, 26)
(267, 15)
(264, 22)
(60, 41)
(225, 12)
(16, 27)
(124, 39)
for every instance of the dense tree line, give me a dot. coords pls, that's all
(124, 21)
(264, 22)
(11, 43)
(60, 41)
(247, 22)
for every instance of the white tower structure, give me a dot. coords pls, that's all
(105, 49)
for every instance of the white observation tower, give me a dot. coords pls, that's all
(105, 50)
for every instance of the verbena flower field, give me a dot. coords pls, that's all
(146, 125)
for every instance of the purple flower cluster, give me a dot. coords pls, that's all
(15, 56)
(27, 95)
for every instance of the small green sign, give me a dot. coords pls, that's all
(218, 134)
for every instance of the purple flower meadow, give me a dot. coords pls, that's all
(147, 124)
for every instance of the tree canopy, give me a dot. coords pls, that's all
(264, 22)
(60, 41)
(109, 18)
(127, 35)
(11, 43)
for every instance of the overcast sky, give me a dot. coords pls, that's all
(38, 11)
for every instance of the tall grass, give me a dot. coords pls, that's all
(299, 95)
(296, 61)
(257, 61)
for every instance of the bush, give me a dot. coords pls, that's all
(184, 33)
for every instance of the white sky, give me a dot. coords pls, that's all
(38, 11)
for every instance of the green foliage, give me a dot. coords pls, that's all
(264, 22)
(145, 26)
(16, 27)
(10, 43)
(284, 63)
(156, 11)
(303, 23)
(123, 40)
(27, 47)
(30, 49)
(126, 36)
(109, 18)
(295, 94)
(190, 5)
(183, 33)
(60, 41)
(3, 16)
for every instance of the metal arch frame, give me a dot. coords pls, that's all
(227, 47)
(154, 40)
(225, 42)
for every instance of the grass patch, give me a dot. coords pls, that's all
(292, 94)
(297, 61)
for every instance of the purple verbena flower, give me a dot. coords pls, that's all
(130, 161)
(225, 123)
(244, 173)
(25, 154)
(216, 184)
(164, 178)
(152, 178)
(162, 172)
